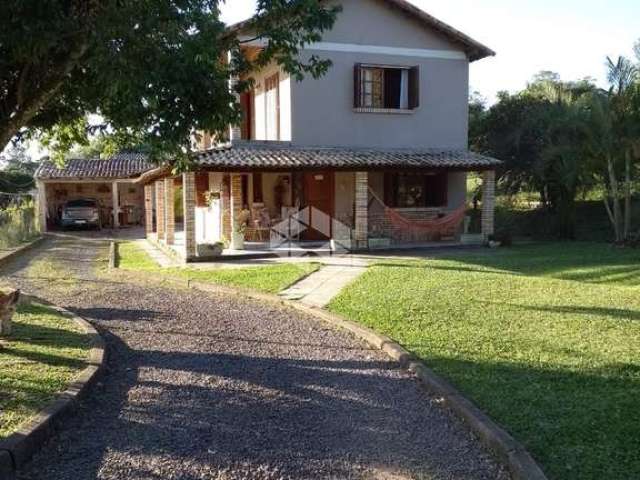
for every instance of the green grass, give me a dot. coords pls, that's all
(268, 278)
(545, 339)
(42, 356)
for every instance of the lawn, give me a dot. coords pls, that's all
(545, 339)
(270, 278)
(42, 356)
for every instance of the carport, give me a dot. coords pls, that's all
(111, 182)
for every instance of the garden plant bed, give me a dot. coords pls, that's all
(542, 338)
(270, 278)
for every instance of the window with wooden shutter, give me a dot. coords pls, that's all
(414, 87)
(383, 88)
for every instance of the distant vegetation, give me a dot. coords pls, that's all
(566, 142)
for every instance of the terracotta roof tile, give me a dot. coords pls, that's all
(123, 165)
(283, 156)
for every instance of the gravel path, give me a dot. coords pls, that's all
(212, 387)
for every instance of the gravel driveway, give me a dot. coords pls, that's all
(200, 386)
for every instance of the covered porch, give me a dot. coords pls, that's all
(265, 209)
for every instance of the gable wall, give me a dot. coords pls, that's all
(322, 110)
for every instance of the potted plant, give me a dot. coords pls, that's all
(210, 249)
(237, 237)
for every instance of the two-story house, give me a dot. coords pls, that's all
(374, 153)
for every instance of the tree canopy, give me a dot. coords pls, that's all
(153, 70)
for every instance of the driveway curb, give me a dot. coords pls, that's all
(508, 450)
(7, 257)
(20, 446)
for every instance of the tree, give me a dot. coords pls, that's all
(152, 69)
(16, 170)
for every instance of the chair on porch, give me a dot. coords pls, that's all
(259, 229)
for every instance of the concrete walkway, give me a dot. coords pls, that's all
(319, 288)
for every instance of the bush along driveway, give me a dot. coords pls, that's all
(543, 338)
(219, 386)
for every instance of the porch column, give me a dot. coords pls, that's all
(42, 206)
(189, 202)
(160, 209)
(362, 210)
(116, 205)
(148, 209)
(227, 228)
(236, 203)
(488, 203)
(169, 212)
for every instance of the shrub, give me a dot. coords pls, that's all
(17, 225)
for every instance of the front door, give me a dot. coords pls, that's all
(319, 192)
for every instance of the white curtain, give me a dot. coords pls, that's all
(404, 90)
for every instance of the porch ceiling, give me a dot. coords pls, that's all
(283, 156)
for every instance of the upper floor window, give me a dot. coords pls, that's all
(391, 88)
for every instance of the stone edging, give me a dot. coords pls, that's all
(7, 257)
(508, 450)
(19, 447)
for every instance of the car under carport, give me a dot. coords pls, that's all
(113, 183)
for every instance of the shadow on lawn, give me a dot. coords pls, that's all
(580, 425)
(617, 313)
(255, 417)
(587, 263)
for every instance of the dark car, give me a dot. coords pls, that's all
(83, 212)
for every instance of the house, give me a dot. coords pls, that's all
(373, 154)
(113, 182)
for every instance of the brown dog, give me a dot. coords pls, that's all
(8, 303)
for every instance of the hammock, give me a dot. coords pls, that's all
(444, 225)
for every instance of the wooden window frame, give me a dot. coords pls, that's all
(382, 106)
(392, 187)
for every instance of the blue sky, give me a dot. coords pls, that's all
(571, 37)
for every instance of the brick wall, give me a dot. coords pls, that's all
(148, 209)
(169, 211)
(189, 193)
(160, 218)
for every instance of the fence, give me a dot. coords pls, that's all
(18, 223)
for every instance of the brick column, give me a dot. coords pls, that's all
(169, 212)
(42, 206)
(236, 201)
(227, 228)
(488, 203)
(160, 209)
(115, 201)
(189, 199)
(148, 209)
(362, 210)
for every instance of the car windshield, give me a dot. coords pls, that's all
(81, 204)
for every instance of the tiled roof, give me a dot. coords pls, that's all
(123, 165)
(283, 156)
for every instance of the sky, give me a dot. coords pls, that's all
(570, 37)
